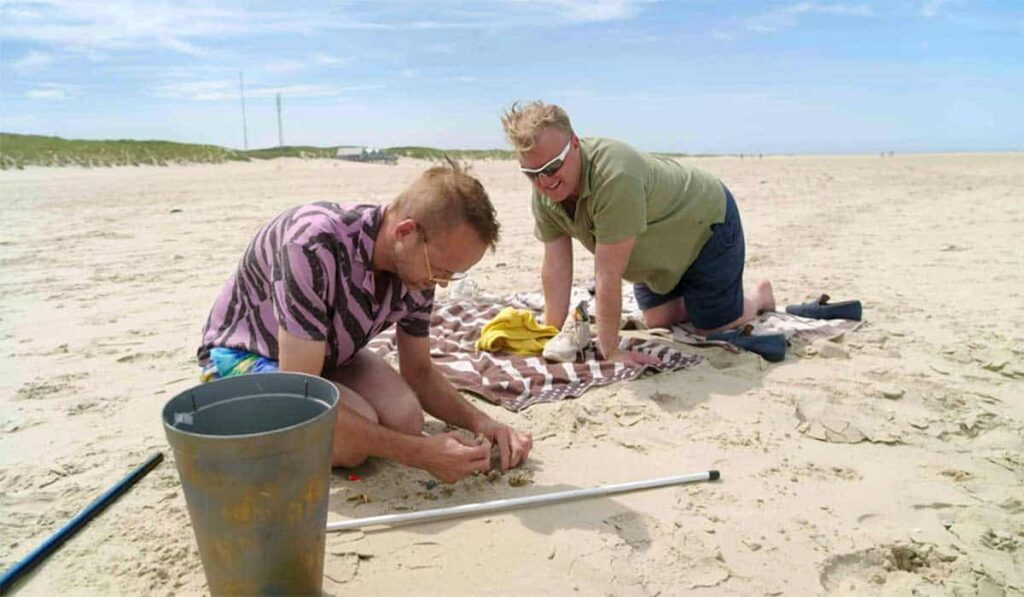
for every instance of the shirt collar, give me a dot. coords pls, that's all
(372, 219)
(364, 241)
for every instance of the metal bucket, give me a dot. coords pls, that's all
(254, 457)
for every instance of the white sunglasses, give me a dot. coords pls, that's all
(551, 168)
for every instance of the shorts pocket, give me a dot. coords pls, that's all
(723, 237)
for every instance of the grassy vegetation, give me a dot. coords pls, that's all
(290, 151)
(673, 154)
(432, 153)
(18, 151)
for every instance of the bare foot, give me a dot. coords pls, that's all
(764, 296)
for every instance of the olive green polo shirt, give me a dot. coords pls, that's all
(669, 207)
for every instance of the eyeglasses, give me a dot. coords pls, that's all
(439, 280)
(551, 168)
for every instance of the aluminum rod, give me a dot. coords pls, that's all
(519, 502)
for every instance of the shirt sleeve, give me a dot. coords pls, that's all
(302, 289)
(619, 209)
(546, 228)
(417, 321)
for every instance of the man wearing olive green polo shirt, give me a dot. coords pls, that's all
(671, 229)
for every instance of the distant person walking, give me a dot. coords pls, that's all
(671, 229)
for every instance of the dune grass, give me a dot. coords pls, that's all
(432, 153)
(18, 151)
(290, 151)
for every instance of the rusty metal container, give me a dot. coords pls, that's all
(254, 456)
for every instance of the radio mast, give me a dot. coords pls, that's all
(280, 134)
(245, 127)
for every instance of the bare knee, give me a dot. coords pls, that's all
(405, 417)
(666, 314)
(358, 407)
(659, 320)
(346, 460)
(345, 452)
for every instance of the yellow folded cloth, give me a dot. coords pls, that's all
(516, 331)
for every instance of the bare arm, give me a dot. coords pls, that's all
(364, 436)
(610, 262)
(556, 277)
(440, 398)
(299, 354)
(437, 395)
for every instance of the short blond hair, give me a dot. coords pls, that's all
(446, 196)
(523, 122)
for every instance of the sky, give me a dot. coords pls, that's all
(693, 76)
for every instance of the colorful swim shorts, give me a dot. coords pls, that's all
(228, 362)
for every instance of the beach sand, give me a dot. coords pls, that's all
(107, 276)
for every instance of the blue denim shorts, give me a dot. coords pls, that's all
(712, 287)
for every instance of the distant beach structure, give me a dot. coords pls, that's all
(365, 154)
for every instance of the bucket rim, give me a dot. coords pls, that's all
(168, 427)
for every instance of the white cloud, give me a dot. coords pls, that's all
(180, 45)
(194, 29)
(308, 91)
(440, 48)
(862, 9)
(116, 24)
(198, 90)
(295, 91)
(54, 92)
(284, 66)
(789, 16)
(934, 8)
(33, 60)
(133, 24)
(227, 90)
(589, 10)
(8, 122)
(325, 60)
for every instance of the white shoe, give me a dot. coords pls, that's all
(571, 341)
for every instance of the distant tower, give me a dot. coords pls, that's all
(245, 127)
(280, 133)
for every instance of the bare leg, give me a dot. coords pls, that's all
(760, 300)
(754, 303)
(347, 453)
(373, 390)
(666, 314)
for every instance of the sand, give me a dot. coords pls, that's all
(888, 462)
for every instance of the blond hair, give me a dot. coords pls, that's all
(523, 122)
(444, 197)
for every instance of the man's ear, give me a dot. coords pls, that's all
(405, 228)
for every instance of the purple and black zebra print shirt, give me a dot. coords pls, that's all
(309, 271)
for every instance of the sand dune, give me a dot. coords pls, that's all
(888, 462)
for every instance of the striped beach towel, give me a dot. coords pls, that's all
(514, 381)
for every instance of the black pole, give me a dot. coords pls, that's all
(68, 530)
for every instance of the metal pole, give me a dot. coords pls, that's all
(521, 502)
(280, 132)
(68, 530)
(245, 127)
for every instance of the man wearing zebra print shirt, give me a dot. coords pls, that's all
(320, 280)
